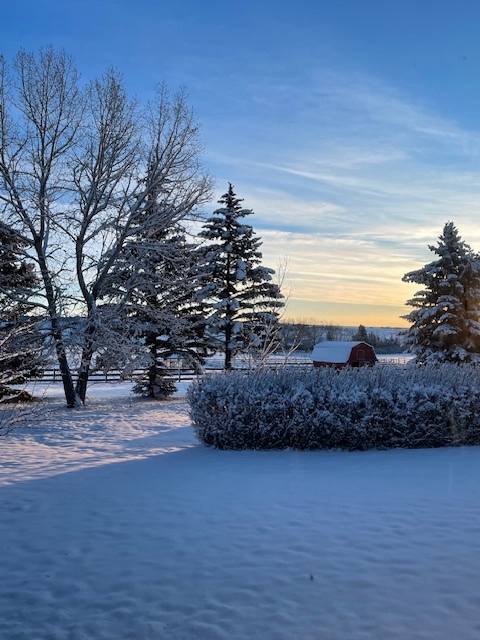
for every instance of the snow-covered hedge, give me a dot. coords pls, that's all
(366, 408)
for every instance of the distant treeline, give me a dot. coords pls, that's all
(304, 335)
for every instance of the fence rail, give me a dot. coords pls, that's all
(396, 361)
(54, 375)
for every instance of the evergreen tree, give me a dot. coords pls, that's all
(244, 300)
(445, 318)
(173, 316)
(17, 275)
(361, 334)
(20, 340)
(154, 294)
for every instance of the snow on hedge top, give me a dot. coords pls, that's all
(332, 351)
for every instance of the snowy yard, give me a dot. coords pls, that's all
(115, 523)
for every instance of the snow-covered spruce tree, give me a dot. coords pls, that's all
(163, 311)
(18, 280)
(244, 300)
(78, 166)
(445, 323)
(173, 320)
(20, 340)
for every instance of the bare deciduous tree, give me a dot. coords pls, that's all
(40, 113)
(78, 169)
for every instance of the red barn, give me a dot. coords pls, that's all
(342, 354)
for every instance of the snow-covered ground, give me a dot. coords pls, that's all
(115, 523)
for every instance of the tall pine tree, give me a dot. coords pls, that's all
(244, 300)
(445, 318)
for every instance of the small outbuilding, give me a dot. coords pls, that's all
(343, 354)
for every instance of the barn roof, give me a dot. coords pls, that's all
(335, 352)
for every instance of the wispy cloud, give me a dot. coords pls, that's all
(352, 181)
(339, 269)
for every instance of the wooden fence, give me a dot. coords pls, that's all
(185, 373)
(53, 375)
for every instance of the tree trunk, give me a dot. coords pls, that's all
(57, 335)
(153, 369)
(86, 361)
(82, 380)
(228, 348)
(65, 372)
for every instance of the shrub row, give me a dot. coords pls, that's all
(352, 409)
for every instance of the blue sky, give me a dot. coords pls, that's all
(351, 128)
